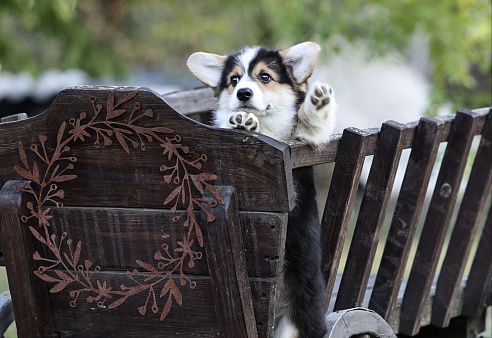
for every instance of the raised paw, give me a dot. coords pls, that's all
(243, 120)
(320, 95)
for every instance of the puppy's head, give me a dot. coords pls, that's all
(258, 80)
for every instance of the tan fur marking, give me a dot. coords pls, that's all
(237, 70)
(273, 85)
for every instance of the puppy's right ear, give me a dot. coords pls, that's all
(207, 67)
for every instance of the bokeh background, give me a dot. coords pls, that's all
(385, 59)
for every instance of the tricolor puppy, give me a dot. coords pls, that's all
(266, 91)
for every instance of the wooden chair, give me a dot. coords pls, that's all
(122, 217)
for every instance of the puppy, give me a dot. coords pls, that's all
(265, 91)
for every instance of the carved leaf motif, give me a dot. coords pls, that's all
(35, 172)
(126, 97)
(24, 173)
(147, 266)
(46, 277)
(215, 192)
(196, 182)
(167, 308)
(61, 131)
(172, 195)
(64, 178)
(117, 302)
(122, 141)
(23, 156)
(37, 235)
(76, 255)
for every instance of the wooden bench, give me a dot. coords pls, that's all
(122, 217)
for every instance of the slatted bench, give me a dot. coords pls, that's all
(122, 217)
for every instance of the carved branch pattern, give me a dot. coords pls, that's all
(47, 170)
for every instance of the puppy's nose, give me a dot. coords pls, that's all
(244, 94)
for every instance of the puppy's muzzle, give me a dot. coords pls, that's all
(244, 94)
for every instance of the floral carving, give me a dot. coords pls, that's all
(47, 171)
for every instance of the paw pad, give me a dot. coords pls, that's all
(245, 121)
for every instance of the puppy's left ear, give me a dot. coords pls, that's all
(301, 59)
(207, 67)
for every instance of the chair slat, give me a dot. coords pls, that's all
(480, 273)
(371, 216)
(340, 200)
(227, 267)
(437, 221)
(29, 299)
(461, 241)
(406, 216)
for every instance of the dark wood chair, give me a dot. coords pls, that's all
(122, 217)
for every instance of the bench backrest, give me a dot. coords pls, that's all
(118, 215)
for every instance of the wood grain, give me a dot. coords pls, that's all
(227, 268)
(29, 296)
(340, 200)
(405, 217)
(371, 216)
(460, 243)
(437, 221)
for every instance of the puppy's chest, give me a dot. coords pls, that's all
(279, 127)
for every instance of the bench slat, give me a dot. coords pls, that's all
(406, 216)
(480, 273)
(371, 216)
(466, 225)
(340, 200)
(437, 221)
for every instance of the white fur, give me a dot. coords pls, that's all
(275, 112)
(285, 329)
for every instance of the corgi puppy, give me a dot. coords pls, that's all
(265, 91)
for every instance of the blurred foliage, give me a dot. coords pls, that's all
(108, 36)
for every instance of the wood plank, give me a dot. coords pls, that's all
(340, 200)
(258, 166)
(460, 243)
(371, 216)
(195, 317)
(192, 101)
(304, 155)
(29, 297)
(227, 267)
(479, 280)
(406, 216)
(116, 237)
(437, 221)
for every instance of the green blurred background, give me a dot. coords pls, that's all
(115, 37)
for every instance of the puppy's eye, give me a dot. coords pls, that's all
(265, 78)
(234, 80)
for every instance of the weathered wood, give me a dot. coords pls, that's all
(6, 312)
(437, 221)
(227, 267)
(460, 243)
(190, 102)
(196, 317)
(340, 200)
(258, 166)
(371, 216)
(357, 321)
(406, 216)
(479, 280)
(29, 297)
(116, 237)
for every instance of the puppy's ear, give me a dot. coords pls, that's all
(207, 67)
(301, 59)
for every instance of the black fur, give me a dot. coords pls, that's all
(303, 278)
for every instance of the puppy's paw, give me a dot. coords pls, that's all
(320, 96)
(243, 120)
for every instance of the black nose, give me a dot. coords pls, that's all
(244, 94)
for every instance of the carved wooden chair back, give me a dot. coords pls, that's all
(122, 217)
